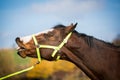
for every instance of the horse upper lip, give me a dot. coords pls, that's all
(21, 46)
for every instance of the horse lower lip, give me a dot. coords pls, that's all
(20, 49)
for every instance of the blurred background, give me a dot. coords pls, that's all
(98, 18)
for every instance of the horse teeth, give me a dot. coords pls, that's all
(18, 48)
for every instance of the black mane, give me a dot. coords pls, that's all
(59, 26)
(89, 40)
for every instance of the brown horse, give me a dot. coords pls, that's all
(97, 59)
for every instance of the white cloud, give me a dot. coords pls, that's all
(67, 7)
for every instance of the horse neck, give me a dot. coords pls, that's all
(89, 46)
(91, 59)
(74, 54)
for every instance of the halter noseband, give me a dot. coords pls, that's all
(56, 48)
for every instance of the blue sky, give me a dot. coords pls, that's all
(99, 18)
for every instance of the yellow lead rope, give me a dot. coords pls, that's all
(16, 73)
(27, 69)
(56, 48)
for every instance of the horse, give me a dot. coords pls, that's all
(98, 59)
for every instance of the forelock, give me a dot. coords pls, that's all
(59, 26)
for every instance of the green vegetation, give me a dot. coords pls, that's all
(10, 62)
(55, 70)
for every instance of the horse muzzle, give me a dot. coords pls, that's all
(20, 44)
(21, 47)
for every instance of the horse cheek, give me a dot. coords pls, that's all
(46, 53)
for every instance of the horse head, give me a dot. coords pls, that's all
(53, 37)
(95, 57)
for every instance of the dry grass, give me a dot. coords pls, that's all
(61, 70)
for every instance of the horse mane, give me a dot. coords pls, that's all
(59, 26)
(88, 39)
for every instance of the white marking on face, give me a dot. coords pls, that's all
(26, 39)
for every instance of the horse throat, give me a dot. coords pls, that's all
(74, 59)
(94, 60)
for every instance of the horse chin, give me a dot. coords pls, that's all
(21, 54)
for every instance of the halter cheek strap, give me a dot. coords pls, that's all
(56, 48)
(37, 49)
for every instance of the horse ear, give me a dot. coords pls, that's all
(70, 28)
